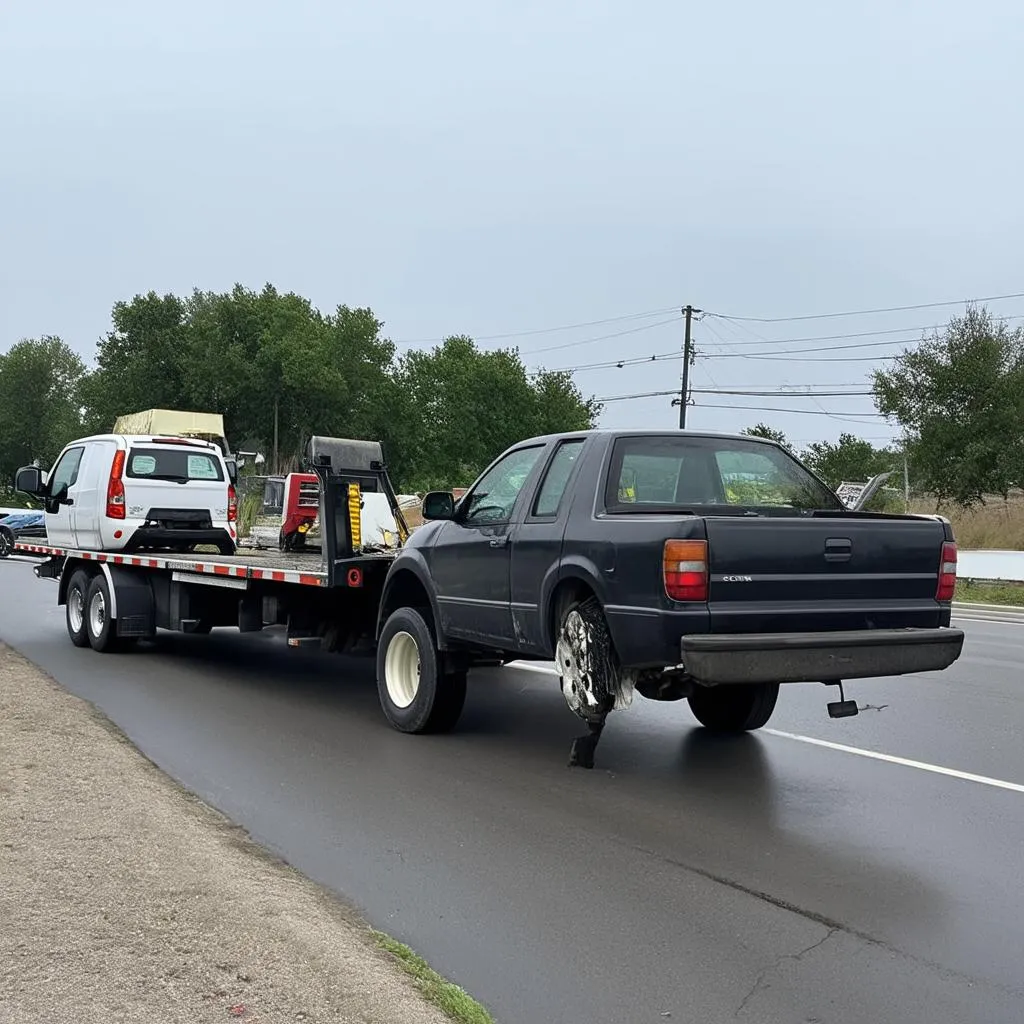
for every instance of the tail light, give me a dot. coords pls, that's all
(232, 503)
(685, 569)
(947, 573)
(115, 487)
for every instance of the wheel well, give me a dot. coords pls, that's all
(569, 591)
(406, 591)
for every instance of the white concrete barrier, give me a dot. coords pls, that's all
(991, 565)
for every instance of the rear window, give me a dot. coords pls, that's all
(669, 473)
(179, 464)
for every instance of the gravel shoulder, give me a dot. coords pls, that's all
(124, 898)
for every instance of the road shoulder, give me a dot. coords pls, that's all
(126, 898)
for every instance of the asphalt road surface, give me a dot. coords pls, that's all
(766, 879)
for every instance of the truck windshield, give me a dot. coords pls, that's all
(661, 473)
(170, 463)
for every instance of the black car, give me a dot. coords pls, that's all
(20, 526)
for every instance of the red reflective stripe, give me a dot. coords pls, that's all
(310, 581)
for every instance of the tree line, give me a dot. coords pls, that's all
(276, 367)
(279, 369)
(958, 400)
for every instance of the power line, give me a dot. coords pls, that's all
(774, 354)
(748, 393)
(761, 340)
(799, 351)
(866, 312)
(802, 412)
(549, 330)
(604, 337)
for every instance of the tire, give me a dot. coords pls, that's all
(417, 697)
(100, 627)
(74, 609)
(592, 681)
(7, 541)
(734, 709)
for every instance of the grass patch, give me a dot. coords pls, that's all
(990, 592)
(444, 994)
(998, 524)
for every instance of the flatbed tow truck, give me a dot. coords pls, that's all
(328, 597)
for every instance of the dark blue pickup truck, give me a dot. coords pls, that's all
(675, 565)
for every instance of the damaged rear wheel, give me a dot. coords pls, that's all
(593, 684)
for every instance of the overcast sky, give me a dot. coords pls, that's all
(493, 169)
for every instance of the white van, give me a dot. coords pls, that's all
(129, 493)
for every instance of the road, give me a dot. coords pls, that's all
(762, 879)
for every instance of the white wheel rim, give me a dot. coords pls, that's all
(402, 669)
(571, 644)
(97, 613)
(76, 609)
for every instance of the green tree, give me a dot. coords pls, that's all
(141, 363)
(41, 384)
(769, 433)
(465, 406)
(959, 397)
(850, 458)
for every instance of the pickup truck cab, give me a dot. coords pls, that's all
(675, 565)
(129, 493)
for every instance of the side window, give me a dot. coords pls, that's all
(65, 473)
(494, 497)
(549, 497)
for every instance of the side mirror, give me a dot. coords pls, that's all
(29, 480)
(438, 505)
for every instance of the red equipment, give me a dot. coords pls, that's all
(301, 506)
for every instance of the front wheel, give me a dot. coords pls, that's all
(416, 694)
(7, 541)
(734, 709)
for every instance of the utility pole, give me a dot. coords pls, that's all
(276, 468)
(684, 392)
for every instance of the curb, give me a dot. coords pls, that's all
(997, 612)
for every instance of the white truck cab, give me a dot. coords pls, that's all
(129, 493)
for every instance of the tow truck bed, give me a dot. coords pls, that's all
(306, 568)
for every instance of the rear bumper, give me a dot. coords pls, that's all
(724, 659)
(155, 538)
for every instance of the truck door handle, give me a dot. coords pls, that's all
(499, 542)
(838, 549)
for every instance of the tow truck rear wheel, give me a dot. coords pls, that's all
(100, 627)
(417, 695)
(734, 708)
(74, 608)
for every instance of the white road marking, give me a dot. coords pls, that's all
(953, 773)
(874, 755)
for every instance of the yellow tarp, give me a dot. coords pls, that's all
(157, 422)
